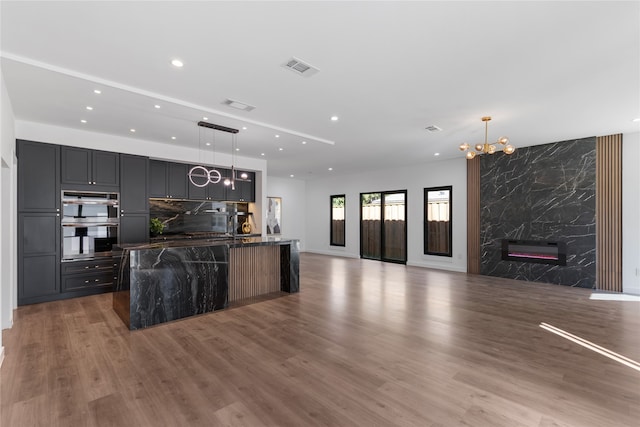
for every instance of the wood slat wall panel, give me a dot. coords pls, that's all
(473, 216)
(609, 213)
(253, 271)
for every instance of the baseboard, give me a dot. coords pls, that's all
(332, 253)
(446, 267)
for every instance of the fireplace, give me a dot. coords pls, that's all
(536, 251)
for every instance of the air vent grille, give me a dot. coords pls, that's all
(300, 67)
(238, 105)
(433, 128)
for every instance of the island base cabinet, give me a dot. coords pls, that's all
(162, 282)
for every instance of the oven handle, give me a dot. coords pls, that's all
(90, 224)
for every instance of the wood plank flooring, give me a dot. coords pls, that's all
(363, 344)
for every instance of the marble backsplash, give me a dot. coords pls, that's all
(544, 192)
(186, 216)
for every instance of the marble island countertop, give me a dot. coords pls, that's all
(184, 243)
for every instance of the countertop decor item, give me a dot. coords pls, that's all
(156, 226)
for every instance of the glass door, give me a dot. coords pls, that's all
(383, 230)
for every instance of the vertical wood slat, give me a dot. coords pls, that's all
(473, 216)
(253, 271)
(609, 213)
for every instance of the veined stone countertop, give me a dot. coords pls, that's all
(191, 243)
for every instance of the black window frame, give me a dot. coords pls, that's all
(449, 253)
(332, 237)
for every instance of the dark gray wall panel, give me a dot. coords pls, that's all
(545, 192)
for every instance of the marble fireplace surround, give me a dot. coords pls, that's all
(541, 193)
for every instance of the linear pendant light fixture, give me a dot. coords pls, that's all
(201, 176)
(487, 148)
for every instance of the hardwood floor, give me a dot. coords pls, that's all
(363, 344)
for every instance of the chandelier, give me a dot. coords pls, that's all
(201, 176)
(487, 148)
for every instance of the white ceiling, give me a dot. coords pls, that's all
(545, 71)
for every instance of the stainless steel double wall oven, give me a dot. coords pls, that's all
(90, 222)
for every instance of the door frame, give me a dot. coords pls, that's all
(382, 219)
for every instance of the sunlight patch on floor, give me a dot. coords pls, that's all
(591, 346)
(614, 297)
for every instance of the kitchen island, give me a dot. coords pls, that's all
(164, 281)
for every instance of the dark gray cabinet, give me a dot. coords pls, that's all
(244, 189)
(168, 180)
(134, 199)
(38, 256)
(133, 189)
(38, 177)
(38, 231)
(88, 276)
(89, 169)
(134, 228)
(211, 191)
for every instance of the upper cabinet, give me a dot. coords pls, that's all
(168, 180)
(133, 188)
(210, 191)
(244, 188)
(38, 177)
(89, 169)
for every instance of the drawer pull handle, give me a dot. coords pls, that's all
(86, 281)
(97, 280)
(97, 266)
(86, 267)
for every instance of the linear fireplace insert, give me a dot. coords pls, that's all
(536, 251)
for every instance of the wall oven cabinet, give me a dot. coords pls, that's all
(90, 223)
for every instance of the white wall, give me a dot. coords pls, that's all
(631, 213)
(294, 215)
(8, 249)
(411, 178)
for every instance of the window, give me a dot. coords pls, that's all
(337, 220)
(437, 220)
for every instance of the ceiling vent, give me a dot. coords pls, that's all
(433, 128)
(238, 105)
(300, 67)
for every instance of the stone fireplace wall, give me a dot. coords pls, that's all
(545, 192)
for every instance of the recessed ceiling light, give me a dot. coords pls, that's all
(436, 154)
(330, 169)
(132, 130)
(98, 91)
(237, 149)
(636, 119)
(304, 142)
(208, 143)
(244, 128)
(277, 136)
(291, 175)
(156, 106)
(177, 63)
(173, 137)
(334, 118)
(83, 121)
(205, 118)
(89, 108)
(280, 149)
